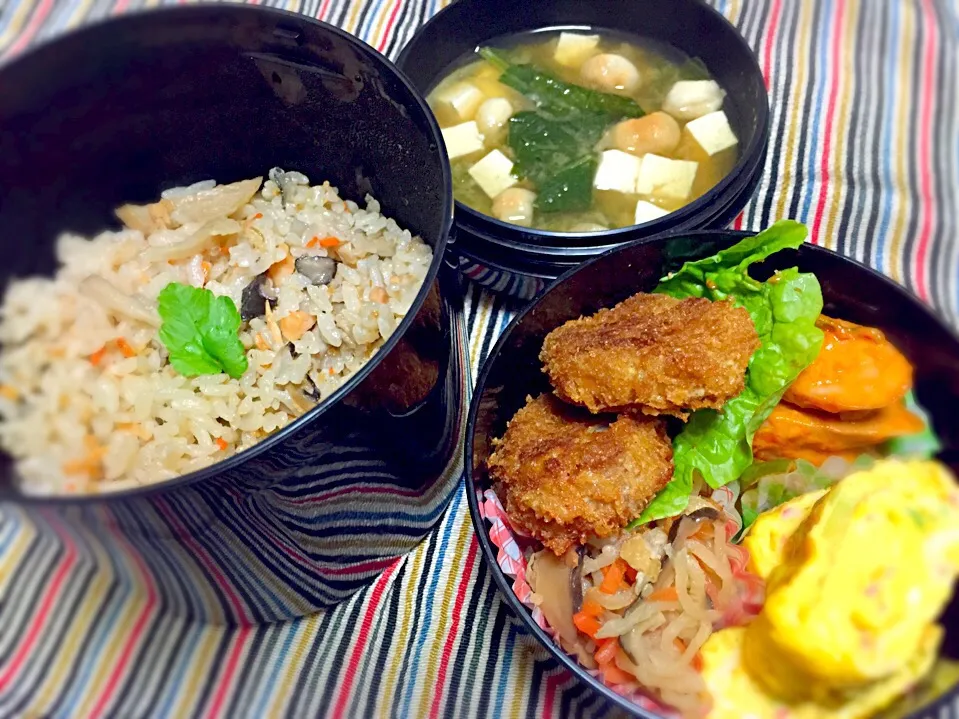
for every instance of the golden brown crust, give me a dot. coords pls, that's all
(652, 353)
(565, 476)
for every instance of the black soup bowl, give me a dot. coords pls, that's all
(512, 370)
(520, 261)
(119, 111)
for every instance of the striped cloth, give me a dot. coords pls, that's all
(865, 149)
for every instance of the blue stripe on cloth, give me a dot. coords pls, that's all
(179, 672)
(105, 623)
(819, 90)
(372, 13)
(289, 631)
(10, 525)
(447, 531)
(880, 258)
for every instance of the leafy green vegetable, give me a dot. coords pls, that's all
(570, 189)
(922, 445)
(560, 97)
(718, 445)
(554, 146)
(659, 81)
(767, 485)
(200, 330)
(558, 156)
(542, 144)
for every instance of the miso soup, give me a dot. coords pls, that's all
(582, 131)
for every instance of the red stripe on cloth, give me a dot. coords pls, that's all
(454, 628)
(39, 15)
(552, 689)
(227, 588)
(927, 202)
(334, 493)
(8, 673)
(226, 680)
(375, 565)
(833, 85)
(389, 27)
(138, 627)
(120, 6)
(738, 222)
(324, 9)
(774, 15)
(349, 674)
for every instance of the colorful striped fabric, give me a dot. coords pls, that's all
(865, 149)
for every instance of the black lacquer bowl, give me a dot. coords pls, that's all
(512, 370)
(521, 262)
(121, 110)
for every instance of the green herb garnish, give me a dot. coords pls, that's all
(718, 445)
(200, 330)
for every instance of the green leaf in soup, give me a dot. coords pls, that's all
(570, 189)
(717, 445)
(557, 156)
(542, 145)
(560, 97)
(200, 331)
(664, 75)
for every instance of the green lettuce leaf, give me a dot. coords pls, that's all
(766, 485)
(717, 446)
(200, 331)
(922, 445)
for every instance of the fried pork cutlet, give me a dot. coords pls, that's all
(566, 475)
(652, 353)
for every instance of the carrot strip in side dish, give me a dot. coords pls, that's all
(612, 674)
(586, 619)
(607, 651)
(667, 594)
(605, 658)
(613, 576)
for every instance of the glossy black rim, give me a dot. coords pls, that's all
(750, 163)
(481, 528)
(143, 19)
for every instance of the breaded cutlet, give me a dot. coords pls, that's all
(566, 475)
(652, 353)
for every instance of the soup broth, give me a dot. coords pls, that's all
(582, 131)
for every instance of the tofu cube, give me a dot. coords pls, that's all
(464, 99)
(712, 132)
(647, 212)
(572, 48)
(492, 173)
(663, 177)
(617, 171)
(689, 99)
(463, 139)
